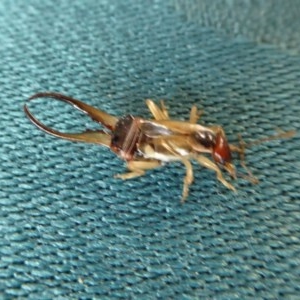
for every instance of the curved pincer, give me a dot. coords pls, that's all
(95, 137)
(97, 115)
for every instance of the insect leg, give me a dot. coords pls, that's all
(188, 179)
(164, 109)
(158, 114)
(207, 163)
(137, 168)
(195, 114)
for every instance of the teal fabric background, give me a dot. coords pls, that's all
(69, 230)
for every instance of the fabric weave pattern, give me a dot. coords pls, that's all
(69, 230)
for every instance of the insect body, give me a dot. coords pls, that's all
(148, 144)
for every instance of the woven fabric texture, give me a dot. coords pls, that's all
(69, 229)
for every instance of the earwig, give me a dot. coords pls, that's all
(148, 144)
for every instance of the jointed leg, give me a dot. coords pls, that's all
(188, 179)
(207, 163)
(158, 113)
(137, 168)
(195, 114)
(164, 110)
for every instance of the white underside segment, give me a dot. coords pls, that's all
(150, 153)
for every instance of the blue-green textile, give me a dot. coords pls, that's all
(69, 230)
